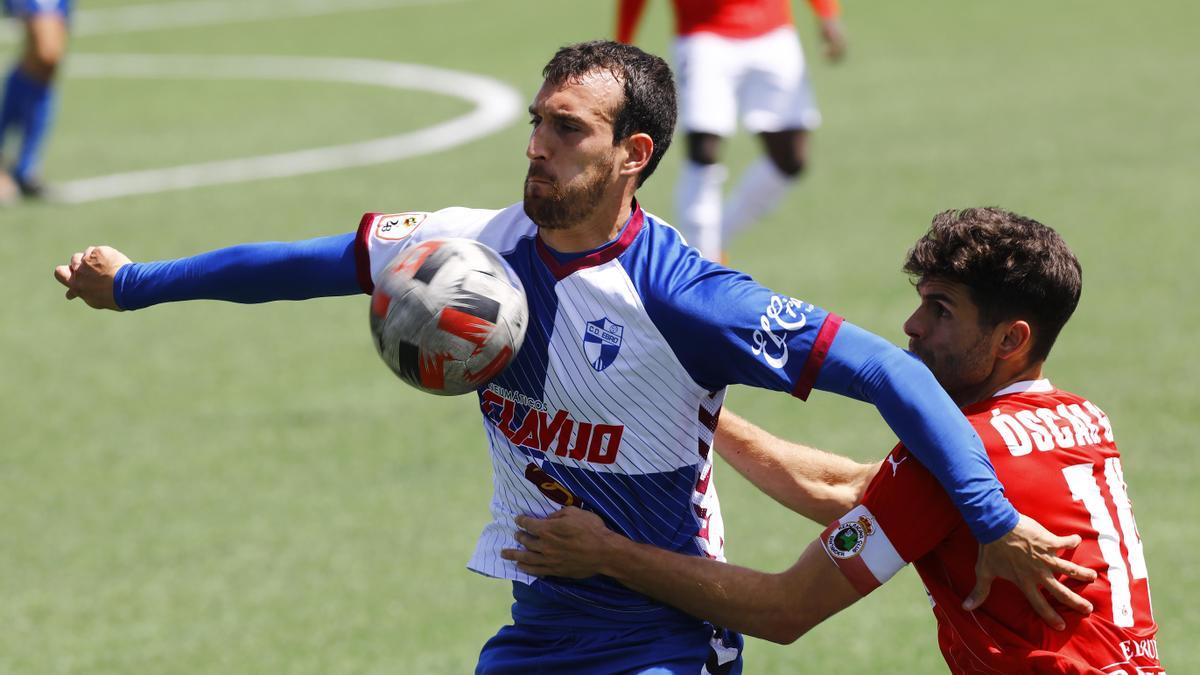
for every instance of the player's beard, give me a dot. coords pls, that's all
(564, 206)
(960, 374)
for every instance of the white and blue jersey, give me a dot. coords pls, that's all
(613, 399)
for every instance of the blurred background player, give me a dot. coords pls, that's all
(28, 104)
(995, 290)
(736, 56)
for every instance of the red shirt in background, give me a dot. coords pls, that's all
(730, 18)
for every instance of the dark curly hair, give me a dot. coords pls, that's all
(649, 105)
(1013, 266)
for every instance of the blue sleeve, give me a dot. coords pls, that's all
(726, 328)
(247, 273)
(867, 367)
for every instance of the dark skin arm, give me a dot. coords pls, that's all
(834, 37)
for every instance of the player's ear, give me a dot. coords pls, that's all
(1017, 339)
(638, 148)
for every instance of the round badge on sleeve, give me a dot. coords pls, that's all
(848, 540)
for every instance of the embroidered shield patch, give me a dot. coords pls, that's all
(601, 342)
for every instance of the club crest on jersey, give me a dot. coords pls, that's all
(848, 539)
(601, 342)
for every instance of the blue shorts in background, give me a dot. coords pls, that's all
(27, 8)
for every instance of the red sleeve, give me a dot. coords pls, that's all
(903, 516)
(629, 12)
(362, 253)
(911, 505)
(826, 9)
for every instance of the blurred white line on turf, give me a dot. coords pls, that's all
(160, 15)
(496, 105)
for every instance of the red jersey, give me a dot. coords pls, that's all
(731, 18)
(1055, 455)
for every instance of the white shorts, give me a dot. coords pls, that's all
(765, 78)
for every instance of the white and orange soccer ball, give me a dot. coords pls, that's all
(448, 315)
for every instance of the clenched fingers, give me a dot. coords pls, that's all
(65, 275)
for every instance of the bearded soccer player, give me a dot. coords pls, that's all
(995, 289)
(628, 435)
(739, 56)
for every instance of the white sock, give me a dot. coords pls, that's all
(698, 206)
(758, 193)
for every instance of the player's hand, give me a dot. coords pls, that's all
(1028, 557)
(834, 38)
(90, 275)
(570, 543)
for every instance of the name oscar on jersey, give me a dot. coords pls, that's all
(1066, 426)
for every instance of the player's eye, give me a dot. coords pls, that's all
(534, 120)
(936, 308)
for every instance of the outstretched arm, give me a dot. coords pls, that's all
(776, 607)
(818, 485)
(249, 273)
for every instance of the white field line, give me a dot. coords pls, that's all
(496, 105)
(191, 13)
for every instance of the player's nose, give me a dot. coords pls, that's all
(531, 153)
(536, 149)
(912, 326)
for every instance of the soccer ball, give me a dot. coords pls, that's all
(448, 315)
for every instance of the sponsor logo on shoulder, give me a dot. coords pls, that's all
(848, 540)
(782, 317)
(397, 226)
(601, 342)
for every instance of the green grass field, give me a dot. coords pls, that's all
(209, 488)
